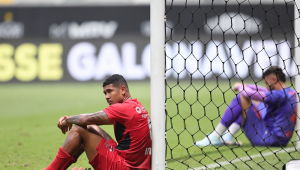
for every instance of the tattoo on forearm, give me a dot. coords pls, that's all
(73, 119)
(97, 115)
(87, 119)
(93, 116)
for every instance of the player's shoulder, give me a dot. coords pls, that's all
(285, 92)
(116, 106)
(127, 102)
(131, 102)
(290, 91)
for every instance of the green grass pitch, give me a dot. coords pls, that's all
(30, 137)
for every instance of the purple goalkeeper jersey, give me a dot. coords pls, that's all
(281, 113)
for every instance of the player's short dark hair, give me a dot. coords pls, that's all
(116, 80)
(275, 70)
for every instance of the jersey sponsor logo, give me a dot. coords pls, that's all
(148, 151)
(139, 110)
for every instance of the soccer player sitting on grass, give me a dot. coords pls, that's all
(132, 128)
(267, 115)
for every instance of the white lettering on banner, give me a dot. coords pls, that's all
(146, 60)
(81, 61)
(192, 61)
(175, 60)
(216, 54)
(85, 30)
(132, 70)
(58, 31)
(145, 28)
(239, 62)
(285, 61)
(83, 64)
(222, 59)
(266, 56)
(11, 30)
(231, 22)
(109, 61)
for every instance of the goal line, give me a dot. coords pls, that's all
(245, 158)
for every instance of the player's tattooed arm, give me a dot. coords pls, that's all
(98, 118)
(74, 119)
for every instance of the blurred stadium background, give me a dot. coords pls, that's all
(101, 2)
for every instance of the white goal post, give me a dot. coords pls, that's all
(297, 57)
(157, 79)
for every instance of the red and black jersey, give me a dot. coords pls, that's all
(132, 127)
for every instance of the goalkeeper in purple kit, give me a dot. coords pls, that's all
(267, 115)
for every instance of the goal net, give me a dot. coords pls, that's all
(210, 45)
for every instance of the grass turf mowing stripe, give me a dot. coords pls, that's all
(246, 158)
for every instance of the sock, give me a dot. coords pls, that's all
(219, 130)
(60, 160)
(233, 129)
(70, 162)
(233, 112)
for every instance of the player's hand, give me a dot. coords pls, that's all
(236, 86)
(63, 125)
(59, 125)
(67, 126)
(75, 168)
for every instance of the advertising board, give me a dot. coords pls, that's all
(89, 43)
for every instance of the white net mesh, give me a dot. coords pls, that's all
(209, 46)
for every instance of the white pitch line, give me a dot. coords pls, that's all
(223, 163)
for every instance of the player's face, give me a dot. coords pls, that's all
(270, 81)
(113, 94)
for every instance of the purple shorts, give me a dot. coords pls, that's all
(255, 128)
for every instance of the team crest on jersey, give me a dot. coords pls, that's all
(137, 109)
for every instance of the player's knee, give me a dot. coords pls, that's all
(83, 129)
(238, 98)
(93, 128)
(77, 128)
(243, 99)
